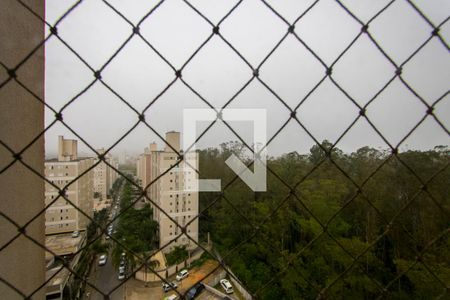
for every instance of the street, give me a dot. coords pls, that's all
(105, 279)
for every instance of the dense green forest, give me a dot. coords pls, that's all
(355, 224)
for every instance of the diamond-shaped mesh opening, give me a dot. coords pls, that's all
(403, 38)
(356, 97)
(95, 32)
(185, 27)
(215, 65)
(265, 34)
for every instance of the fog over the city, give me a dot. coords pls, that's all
(95, 31)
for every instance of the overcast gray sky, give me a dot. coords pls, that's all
(95, 31)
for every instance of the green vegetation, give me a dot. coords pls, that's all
(203, 258)
(293, 240)
(136, 228)
(177, 255)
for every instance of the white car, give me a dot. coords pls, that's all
(169, 286)
(102, 260)
(75, 234)
(226, 285)
(183, 274)
(121, 276)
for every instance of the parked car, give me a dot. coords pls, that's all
(171, 297)
(102, 260)
(121, 276)
(122, 269)
(75, 234)
(194, 291)
(122, 263)
(226, 285)
(169, 286)
(182, 274)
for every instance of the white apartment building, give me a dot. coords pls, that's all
(104, 175)
(175, 192)
(61, 216)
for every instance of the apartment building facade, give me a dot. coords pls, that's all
(104, 175)
(175, 192)
(61, 216)
(113, 175)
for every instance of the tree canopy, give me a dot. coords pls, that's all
(353, 223)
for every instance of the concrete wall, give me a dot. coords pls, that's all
(236, 283)
(167, 272)
(21, 120)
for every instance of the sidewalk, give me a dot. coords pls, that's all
(92, 279)
(137, 290)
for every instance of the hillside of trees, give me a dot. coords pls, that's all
(349, 225)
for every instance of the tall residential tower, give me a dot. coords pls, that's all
(175, 192)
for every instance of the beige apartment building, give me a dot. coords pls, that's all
(175, 193)
(104, 175)
(113, 175)
(61, 216)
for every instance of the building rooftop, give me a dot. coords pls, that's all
(62, 244)
(55, 160)
(56, 284)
